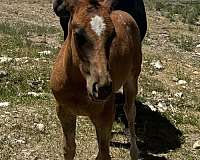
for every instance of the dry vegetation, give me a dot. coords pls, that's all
(28, 123)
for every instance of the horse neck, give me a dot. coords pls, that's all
(72, 62)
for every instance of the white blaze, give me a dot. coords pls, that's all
(97, 24)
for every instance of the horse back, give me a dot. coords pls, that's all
(125, 52)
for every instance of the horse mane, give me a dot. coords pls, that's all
(95, 3)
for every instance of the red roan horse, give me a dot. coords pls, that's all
(101, 54)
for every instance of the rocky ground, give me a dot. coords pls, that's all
(168, 107)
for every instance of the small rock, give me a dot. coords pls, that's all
(198, 24)
(20, 141)
(162, 107)
(198, 46)
(3, 73)
(196, 145)
(4, 104)
(150, 106)
(175, 79)
(179, 94)
(196, 72)
(21, 59)
(5, 59)
(153, 92)
(170, 98)
(157, 65)
(26, 61)
(45, 53)
(151, 72)
(181, 82)
(40, 127)
(3, 116)
(197, 53)
(33, 94)
(36, 94)
(188, 66)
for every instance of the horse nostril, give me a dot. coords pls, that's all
(105, 90)
(101, 92)
(95, 89)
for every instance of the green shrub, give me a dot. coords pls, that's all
(189, 10)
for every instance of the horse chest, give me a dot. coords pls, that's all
(78, 102)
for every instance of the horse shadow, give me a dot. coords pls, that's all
(155, 133)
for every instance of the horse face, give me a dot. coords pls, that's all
(92, 34)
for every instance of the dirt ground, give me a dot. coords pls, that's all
(167, 135)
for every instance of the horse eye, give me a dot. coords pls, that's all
(80, 37)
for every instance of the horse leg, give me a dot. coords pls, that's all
(130, 91)
(103, 123)
(68, 122)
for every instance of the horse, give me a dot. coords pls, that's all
(134, 7)
(101, 54)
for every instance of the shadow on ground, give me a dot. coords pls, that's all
(156, 134)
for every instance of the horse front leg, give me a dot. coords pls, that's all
(68, 123)
(130, 91)
(103, 123)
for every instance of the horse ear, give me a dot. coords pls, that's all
(110, 3)
(70, 4)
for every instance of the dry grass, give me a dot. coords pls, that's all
(27, 28)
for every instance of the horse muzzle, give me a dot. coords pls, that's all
(101, 92)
